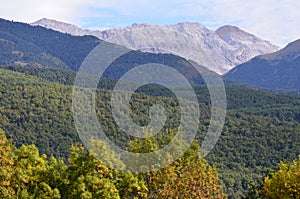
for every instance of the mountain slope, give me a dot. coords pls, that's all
(33, 110)
(247, 45)
(189, 40)
(64, 27)
(280, 70)
(34, 46)
(23, 44)
(260, 130)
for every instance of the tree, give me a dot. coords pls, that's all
(32, 173)
(24, 173)
(7, 159)
(88, 177)
(283, 183)
(188, 177)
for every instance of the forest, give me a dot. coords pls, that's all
(27, 174)
(42, 155)
(261, 130)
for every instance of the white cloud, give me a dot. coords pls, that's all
(277, 21)
(32, 10)
(274, 20)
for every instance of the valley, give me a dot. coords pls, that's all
(38, 67)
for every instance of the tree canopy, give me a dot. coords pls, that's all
(26, 174)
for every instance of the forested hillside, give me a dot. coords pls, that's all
(261, 129)
(38, 69)
(26, 45)
(278, 70)
(27, 174)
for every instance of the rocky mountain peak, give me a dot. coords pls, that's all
(219, 50)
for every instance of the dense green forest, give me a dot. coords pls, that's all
(261, 128)
(43, 156)
(27, 174)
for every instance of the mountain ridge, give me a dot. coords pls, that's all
(278, 70)
(190, 40)
(39, 47)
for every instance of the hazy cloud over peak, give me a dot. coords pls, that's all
(277, 21)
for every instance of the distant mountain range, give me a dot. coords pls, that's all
(26, 45)
(280, 70)
(36, 106)
(34, 46)
(22, 44)
(218, 50)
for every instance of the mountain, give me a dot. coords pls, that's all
(60, 26)
(247, 45)
(260, 130)
(36, 107)
(23, 44)
(35, 46)
(219, 51)
(280, 70)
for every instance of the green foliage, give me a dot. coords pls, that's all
(37, 112)
(187, 177)
(261, 129)
(24, 173)
(7, 160)
(284, 182)
(27, 175)
(37, 46)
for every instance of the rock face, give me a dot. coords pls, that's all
(246, 45)
(60, 26)
(219, 50)
(279, 70)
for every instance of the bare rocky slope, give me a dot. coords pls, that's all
(219, 50)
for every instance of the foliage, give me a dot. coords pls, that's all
(90, 178)
(7, 160)
(261, 129)
(26, 174)
(283, 182)
(37, 112)
(38, 46)
(187, 177)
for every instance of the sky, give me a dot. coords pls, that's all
(273, 20)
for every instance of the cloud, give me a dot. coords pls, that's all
(277, 21)
(273, 20)
(32, 10)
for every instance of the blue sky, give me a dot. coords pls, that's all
(273, 20)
